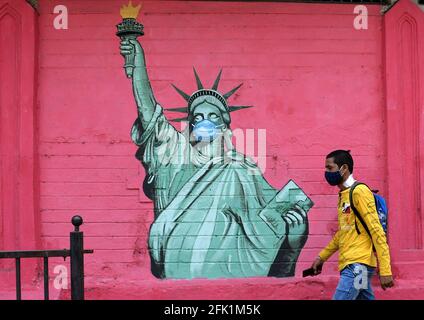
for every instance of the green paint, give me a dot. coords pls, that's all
(215, 214)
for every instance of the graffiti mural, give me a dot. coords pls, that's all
(215, 215)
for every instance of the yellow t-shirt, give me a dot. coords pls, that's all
(354, 247)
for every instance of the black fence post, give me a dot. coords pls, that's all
(46, 278)
(18, 278)
(77, 260)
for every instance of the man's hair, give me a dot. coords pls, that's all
(342, 157)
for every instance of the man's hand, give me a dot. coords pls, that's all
(317, 265)
(386, 282)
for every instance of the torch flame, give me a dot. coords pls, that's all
(130, 12)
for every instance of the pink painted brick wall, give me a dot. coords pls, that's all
(315, 81)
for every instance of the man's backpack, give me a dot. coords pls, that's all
(380, 204)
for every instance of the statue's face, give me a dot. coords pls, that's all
(206, 123)
(207, 111)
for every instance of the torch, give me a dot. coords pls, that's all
(129, 29)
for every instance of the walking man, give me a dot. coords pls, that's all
(357, 250)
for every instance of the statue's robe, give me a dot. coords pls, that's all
(206, 210)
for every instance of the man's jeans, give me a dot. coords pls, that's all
(355, 283)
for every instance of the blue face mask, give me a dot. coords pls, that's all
(206, 130)
(333, 178)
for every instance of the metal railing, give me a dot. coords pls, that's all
(76, 253)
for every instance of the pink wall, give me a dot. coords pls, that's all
(317, 84)
(19, 211)
(404, 27)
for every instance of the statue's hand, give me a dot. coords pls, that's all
(133, 48)
(298, 227)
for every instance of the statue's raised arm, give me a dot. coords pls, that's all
(143, 92)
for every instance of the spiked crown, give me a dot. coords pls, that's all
(201, 91)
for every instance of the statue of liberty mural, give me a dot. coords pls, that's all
(215, 215)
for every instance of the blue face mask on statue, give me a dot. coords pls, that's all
(206, 130)
(333, 178)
